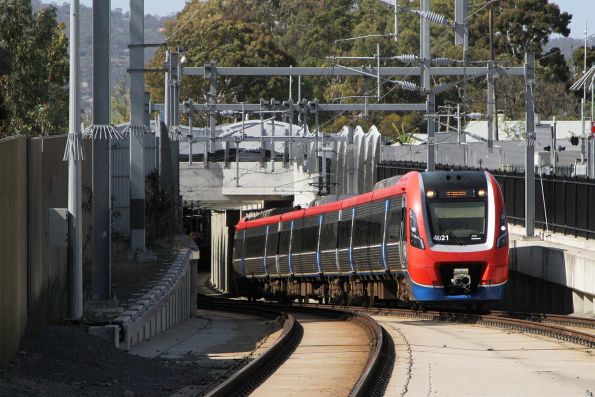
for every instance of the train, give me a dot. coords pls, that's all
(434, 236)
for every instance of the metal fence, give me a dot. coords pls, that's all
(562, 204)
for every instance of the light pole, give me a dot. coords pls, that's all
(74, 156)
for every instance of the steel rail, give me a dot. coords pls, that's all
(534, 326)
(581, 322)
(250, 376)
(372, 380)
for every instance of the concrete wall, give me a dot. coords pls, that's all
(48, 188)
(166, 303)
(222, 235)
(561, 271)
(33, 178)
(13, 245)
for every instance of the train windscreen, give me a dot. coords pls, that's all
(458, 222)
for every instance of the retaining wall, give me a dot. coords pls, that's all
(564, 261)
(222, 236)
(13, 245)
(164, 304)
(33, 178)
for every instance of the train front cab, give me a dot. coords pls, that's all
(457, 240)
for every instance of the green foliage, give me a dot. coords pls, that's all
(309, 33)
(520, 25)
(399, 128)
(553, 67)
(121, 103)
(218, 30)
(578, 58)
(33, 70)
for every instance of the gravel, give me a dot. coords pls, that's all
(66, 361)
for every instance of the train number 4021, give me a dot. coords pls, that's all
(441, 237)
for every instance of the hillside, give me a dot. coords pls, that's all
(567, 45)
(120, 39)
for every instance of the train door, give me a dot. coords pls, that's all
(403, 234)
(264, 257)
(392, 234)
(291, 248)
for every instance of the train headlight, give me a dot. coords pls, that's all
(481, 193)
(431, 194)
(503, 232)
(414, 237)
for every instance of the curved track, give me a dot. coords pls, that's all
(571, 329)
(320, 352)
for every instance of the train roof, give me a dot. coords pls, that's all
(399, 187)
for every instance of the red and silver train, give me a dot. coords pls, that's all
(422, 237)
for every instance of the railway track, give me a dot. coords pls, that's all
(570, 329)
(360, 347)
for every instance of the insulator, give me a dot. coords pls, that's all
(407, 58)
(101, 131)
(408, 85)
(441, 88)
(434, 17)
(443, 61)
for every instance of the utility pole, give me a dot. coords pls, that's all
(74, 155)
(212, 112)
(529, 146)
(190, 134)
(425, 83)
(490, 106)
(493, 59)
(137, 119)
(101, 263)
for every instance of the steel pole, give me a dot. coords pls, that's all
(137, 120)
(190, 136)
(425, 83)
(529, 146)
(490, 107)
(75, 212)
(101, 263)
(212, 101)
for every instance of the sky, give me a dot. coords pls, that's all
(155, 7)
(581, 10)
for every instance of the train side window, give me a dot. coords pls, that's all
(393, 221)
(284, 239)
(255, 240)
(328, 232)
(375, 218)
(296, 238)
(310, 234)
(345, 229)
(237, 244)
(360, 232)
(368, 224)
(272, 240)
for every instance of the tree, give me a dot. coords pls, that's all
(578, 58)
(308, 33)
(219, 30)
(520, 25)
(121, 102)
(554, 67)
(33, 71)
